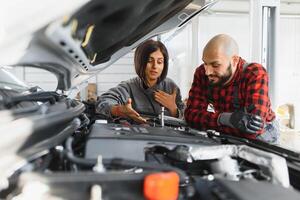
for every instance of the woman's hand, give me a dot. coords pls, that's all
(167, 100)
(127, 111)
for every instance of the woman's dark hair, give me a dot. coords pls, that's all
(141, 57)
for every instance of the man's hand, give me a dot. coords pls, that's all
(246, 122)
(243, 121)
(167, 100)
(127, 111)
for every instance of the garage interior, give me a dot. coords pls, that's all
(234, 17)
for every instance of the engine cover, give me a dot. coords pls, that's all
(130, 141)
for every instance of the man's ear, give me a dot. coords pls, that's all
(235, 60)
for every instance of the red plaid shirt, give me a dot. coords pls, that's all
(252, 85)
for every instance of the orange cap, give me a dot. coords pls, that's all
(161, 186)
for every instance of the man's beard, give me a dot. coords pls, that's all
(222, 79)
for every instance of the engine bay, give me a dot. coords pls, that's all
(85, 157)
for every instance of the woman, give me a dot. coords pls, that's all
(147, 93)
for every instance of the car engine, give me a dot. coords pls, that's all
(61, 149)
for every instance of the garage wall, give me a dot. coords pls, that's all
(235, 25)
(238, 27)
(35, 77)
(121, 70)
(44, 79)
(185, 59)
(289, 60)
(288, 68)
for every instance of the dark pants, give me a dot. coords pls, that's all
(272, 132)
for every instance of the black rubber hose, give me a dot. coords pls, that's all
(80, 161)
(51, 97)
(117, 162)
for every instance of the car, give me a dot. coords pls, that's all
(54, 146)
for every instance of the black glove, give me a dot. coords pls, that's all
(243, 121)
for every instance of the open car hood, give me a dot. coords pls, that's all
(100, 32)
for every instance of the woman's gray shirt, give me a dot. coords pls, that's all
(142, 98)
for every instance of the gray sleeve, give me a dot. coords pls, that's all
(114, 96)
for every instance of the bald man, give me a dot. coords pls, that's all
(230, 95)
